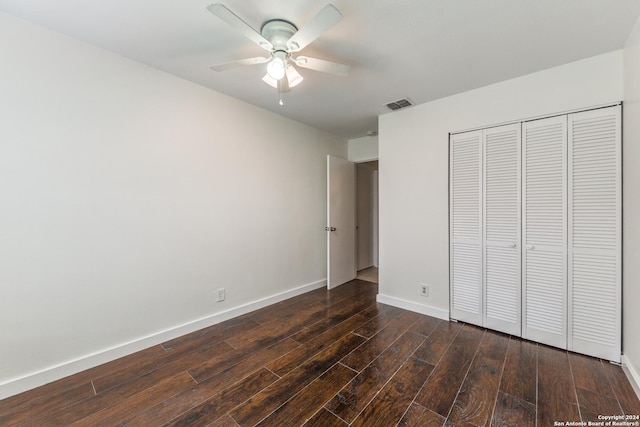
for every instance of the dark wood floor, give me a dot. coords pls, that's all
(334, 358)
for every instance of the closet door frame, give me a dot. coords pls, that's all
(557, 320)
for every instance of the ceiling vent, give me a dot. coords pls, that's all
(401, 103)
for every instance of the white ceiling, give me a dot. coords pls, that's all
(421, 49)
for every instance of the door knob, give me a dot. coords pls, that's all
(330, 228)
(530, 247)
(513, 245)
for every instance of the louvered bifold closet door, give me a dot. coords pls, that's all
(465, 216)
(595, 233)
(544, 231)
(502, 288)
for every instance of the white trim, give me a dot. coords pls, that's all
(53, 373)
(545, 116)
(632, 374)
(365, 160)
(412, 306)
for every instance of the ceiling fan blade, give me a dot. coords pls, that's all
(235, 21)
(240, 63)
(325, 19)
(322, 65)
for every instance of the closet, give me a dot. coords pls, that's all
(535, 230)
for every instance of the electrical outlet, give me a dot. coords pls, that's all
(220, 295)
(424, 290)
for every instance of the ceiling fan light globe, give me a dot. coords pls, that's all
(276, 68)
(270, 81)
(293, 76)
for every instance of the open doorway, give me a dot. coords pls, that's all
(367, 221)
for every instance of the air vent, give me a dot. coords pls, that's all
(401, 103)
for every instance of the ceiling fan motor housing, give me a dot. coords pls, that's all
(278, 32)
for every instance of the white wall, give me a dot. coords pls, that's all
(363, 149)
(413, 144)
(631, 203)
(129, 196)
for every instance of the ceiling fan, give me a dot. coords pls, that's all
(282, 40)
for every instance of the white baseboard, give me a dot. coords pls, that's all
(53, 373)
(412, 306)
(632, 374)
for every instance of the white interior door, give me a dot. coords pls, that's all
(465, 216)
(544, 231)
(341, 221)
(595, 233)
(501, 231)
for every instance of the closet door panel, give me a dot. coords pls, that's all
(502, 274)
(544, 215)
(594, 233)
(465, 215)
(545, 302)
(502, 283)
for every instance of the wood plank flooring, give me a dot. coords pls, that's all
(333, 358)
